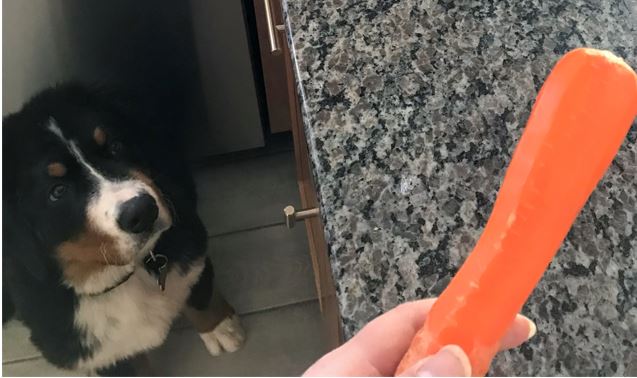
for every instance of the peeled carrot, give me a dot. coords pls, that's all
(579, 120)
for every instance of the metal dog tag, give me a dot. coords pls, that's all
(158, 265)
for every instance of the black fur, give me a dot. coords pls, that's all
(33, 227)
(8, 309)
(201, 292)
(123, 368)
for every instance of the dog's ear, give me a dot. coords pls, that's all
(20, 242)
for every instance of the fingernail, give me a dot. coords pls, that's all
(532, 327)
(450, 361)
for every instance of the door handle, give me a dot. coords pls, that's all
(292, 215)
(272, 28)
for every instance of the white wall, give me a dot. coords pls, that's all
(35, 50)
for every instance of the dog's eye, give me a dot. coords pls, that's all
(115, 148)
(57, 192)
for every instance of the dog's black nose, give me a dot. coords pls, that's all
(138, 214)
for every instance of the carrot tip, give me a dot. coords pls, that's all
(608, 55)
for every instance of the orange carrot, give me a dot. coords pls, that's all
(577, 124)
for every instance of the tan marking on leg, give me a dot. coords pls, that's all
(99, 136)
(56, 169)
(86, 254)
(207, 319)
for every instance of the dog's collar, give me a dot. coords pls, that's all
(155, 264)
(118, 283)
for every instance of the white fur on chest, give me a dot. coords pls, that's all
(133, 317)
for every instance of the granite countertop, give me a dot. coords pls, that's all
(412, 109)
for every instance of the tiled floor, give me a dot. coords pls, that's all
(263, 269)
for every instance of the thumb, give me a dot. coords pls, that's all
(450, 361)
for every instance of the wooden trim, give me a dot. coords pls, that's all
(314, 226)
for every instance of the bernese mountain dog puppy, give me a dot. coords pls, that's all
(103, 247)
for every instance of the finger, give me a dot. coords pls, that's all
(450, 361)
(520, 331)
(378, 347)
(410, 315)
(385, 339)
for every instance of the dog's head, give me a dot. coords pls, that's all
(77, 194)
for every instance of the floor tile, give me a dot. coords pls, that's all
(281, 342)
(34, 368)
(275, 144)
(246, 194)
(263, 268)
(15, 342)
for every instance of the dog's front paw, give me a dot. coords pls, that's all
(228, 336)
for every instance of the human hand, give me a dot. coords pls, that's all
(378, 348)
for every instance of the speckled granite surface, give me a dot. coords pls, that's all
(412, 110)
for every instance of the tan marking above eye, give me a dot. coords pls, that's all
(99, 135)
(56, 169)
